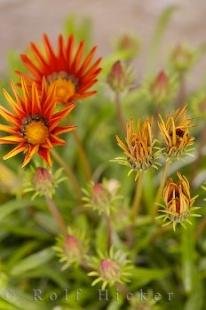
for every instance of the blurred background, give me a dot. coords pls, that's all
(25, 20)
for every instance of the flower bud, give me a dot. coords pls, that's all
(118, 78)
(160, 87)
(110, 269)
(43, 180)
(177, 201)
(175, 130)
(182, 58)
(71, 249)
(102, 197)
(129, 45)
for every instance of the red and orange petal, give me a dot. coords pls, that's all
(33, 124)
(66, 67)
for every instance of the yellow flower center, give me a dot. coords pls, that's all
(65, 89)
(36, 132)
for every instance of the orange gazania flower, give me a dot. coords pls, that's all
(67, 69)
(33, 122)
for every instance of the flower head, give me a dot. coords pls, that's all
(67, 69)
(138, 146)
(177, 201)
(175, 131)
(33, 122)
(111, 269)
(72, 248)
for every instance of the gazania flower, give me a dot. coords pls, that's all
(33, 122)
(110, 269)
(178, 202)
(67, 69)
(138, 146)
(175, 132)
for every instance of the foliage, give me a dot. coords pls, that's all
(149, 266)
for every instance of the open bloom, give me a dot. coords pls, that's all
(139, 145)
(177, 201)
(67, 68)
(175, 132)
(33, 124)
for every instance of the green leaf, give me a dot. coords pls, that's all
(11, 206)
(159, 32)
(142, 276)
(188, 255)
(32, 261)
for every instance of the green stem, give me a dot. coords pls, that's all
(161, 187)
(72, 178)
(109, 230)
(83, 157)
(137, 197)
(56, 214)
(120, 116)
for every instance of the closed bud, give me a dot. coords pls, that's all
(182, 58)
(129, 45)
(71, 249)
(177, 201)
(160, 87)
(119, 79)
(110, 269)
(102, 197)
(42, 180)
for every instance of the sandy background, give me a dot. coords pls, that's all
(25, 20)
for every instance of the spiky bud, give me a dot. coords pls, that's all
(102, 197)
(71, 249)
(110, 269)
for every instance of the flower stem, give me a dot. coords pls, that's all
(83, 156)
(69, 173)
(120, 116)
(137, 197)
(56, 214)
(161, 187)
(109, 230)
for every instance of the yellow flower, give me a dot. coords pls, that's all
(139, 145)
(175, 132)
